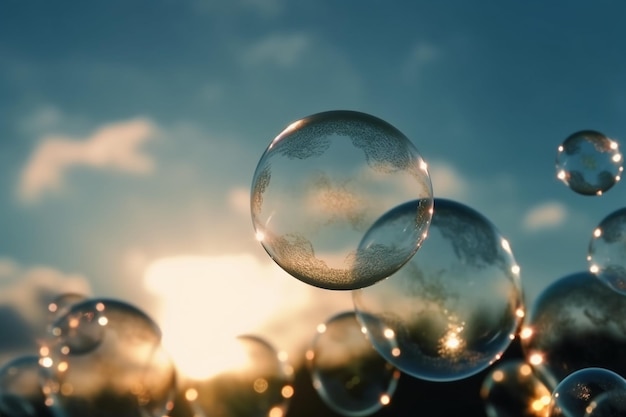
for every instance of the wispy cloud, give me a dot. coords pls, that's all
(547, 215)
(422, 54)
(113, 147)
(280, 50)
(447, 181)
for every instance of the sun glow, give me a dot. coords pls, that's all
(206, 303)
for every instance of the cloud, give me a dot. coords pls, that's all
(283, 51)
(113, 147)
(422, 54)
(207, 301)
(547, 215)
(447, 181)
(24, 297)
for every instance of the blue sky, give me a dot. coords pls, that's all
(129, 133)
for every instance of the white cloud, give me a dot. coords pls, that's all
(423, 53)
(207, 301)
(283, 51)
(447, 181)
(239, 200)
(115, 146)
(547, 215)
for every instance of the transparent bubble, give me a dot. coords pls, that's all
(323, 183)
(573, 396)
(577, 322)
(589, 163)
(126, 373)
(62, 303)
(607, 251)
(608, 404)
(21, 392)
(512, 389)
(257, 383)
(348, 373)
(454, 308)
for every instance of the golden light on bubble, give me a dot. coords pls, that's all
(498, 376)
(594, 269)
(260, 385)
(287, 391)
(385, 399)
(191, 394)
(389, 333)
(395, 352)
(526, 332)
(525, 370)
(561, 175)
(535, 359)
(321, 328)
(276, 412)
(520, 313)
(597, 232)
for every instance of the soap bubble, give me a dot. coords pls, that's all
(512, 389)
(577, 322)
(348, 373)
(608, 404)
(589, 163)
(21, 393)
(62, 303)
(607, 251)
(573, 396)
(258, 382)
(454, 308)
(323, 183)
(126, 373)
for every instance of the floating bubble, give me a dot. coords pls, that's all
(21, 393)
(589, 163)
(608, 404)
(454, 308)
(126, 373)
(323, 183)
(348, 373)
(62, 304)
(574, 395)
(512, 389)
(607, 251)
(257, 383)
(577, 322)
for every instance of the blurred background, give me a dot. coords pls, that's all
(130, 131)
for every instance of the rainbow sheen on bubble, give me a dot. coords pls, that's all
(573, 397)
(589, 162)
(348, 373)
(512, 389)
(607, 251)
(576, 322)
(323, 183)
(455, 307)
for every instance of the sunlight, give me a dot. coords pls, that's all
(206, 303)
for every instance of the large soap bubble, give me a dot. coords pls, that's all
(322, 184)
(573, 396)
(607, 251)
(577, 322)
(454, 308)
(512, 389)
(106, 359)
(348, 373)
(589, 163)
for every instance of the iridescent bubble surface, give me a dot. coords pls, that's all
(21, 393)
(589, 163)
(576, 322)
(607, 251)
(125, 373)
(574, 395)
(454, 308)
(255, 382)
(322, 184)
(348, 373)
(512, 389)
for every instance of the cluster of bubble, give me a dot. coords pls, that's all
(343, 201)
(104, 357)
